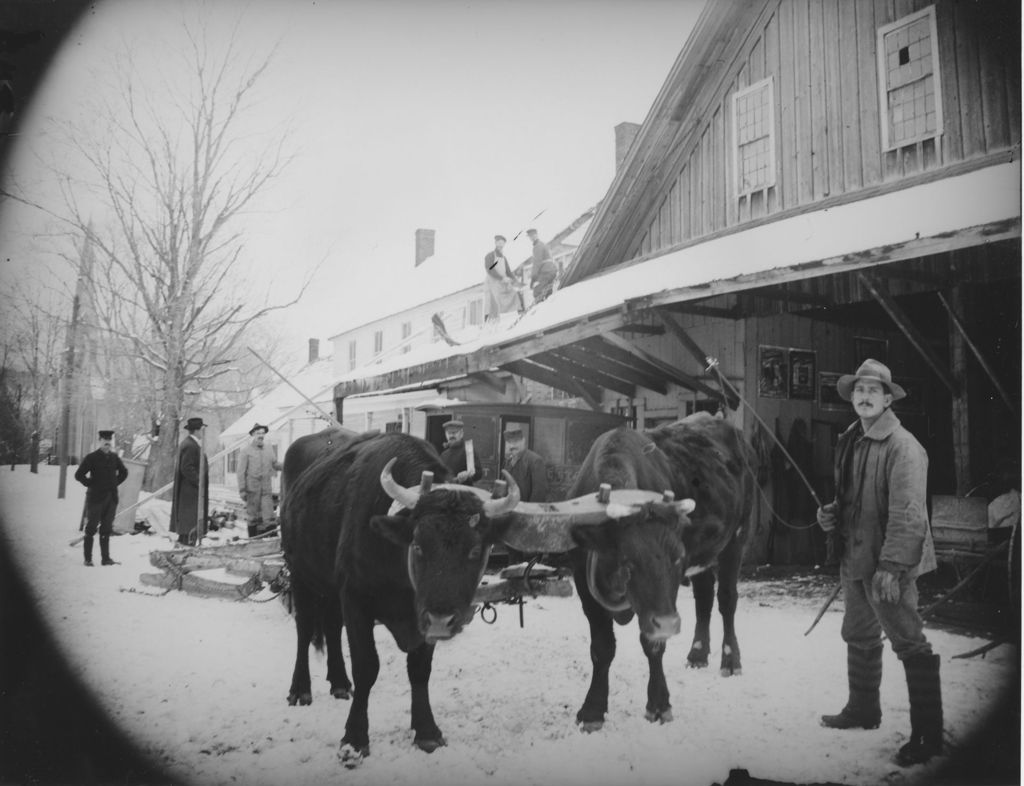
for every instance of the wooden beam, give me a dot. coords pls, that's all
(498, 355)
(640, 327)
(683, 338)
(553, 379)
(579, 353)
(782, 293)
(700, 310)
(669, 372)
(914, 336)
(491, 380)
(593, 400)
(598, 346)
(582, 372)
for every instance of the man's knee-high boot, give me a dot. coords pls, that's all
(925, 710)
(105, 550)
(87, 550)
(864, 673)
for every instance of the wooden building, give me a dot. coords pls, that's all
(817, 182)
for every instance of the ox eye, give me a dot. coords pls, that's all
(417, 550)
(474, 553)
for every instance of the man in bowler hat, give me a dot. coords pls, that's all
(880, 513)
(101, 472)
(190, 499)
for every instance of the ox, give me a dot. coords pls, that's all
(415, 571)
(316, 604)
(634, 561)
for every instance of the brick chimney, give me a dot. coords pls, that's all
(314, 350)
(424, 245)
(625, 133)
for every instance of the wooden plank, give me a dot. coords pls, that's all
(851, 123)
(832, 39)
(972, 124)
(215, 583)
(671, 373)
(552, 338)
(629, 372)
(906, 326)
(819, 109)
(581, 372)
(552, 379)
(683, 338)
(867, 73)
(499, 590)
(802, 88)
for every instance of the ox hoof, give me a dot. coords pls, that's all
(303, 699)
(351, 756)
(589, 727)
(665, 716)
(696, 664)
(728, 671)
(342, 693)
(429, 746)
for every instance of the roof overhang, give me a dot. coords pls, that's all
(930, 217)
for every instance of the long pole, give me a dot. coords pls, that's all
(66, 397)
(329, 417)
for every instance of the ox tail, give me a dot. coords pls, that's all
(312, 611)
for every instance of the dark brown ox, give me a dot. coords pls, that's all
(415, 571)
(633, 562)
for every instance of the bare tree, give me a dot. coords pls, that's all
(157, 201)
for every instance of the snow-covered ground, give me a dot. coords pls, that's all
(200, 684)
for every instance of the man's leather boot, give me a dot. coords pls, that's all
(864, 673)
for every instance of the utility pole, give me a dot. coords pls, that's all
(70, 364)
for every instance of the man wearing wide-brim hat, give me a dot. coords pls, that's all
(190, 498)
(880, 513)
(256, 470)
(454, 454)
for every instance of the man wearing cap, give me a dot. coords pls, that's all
(881, 517)
(530, 473)
(256, 469)
(500, 295)
(190, 499)
(454, 454)
(101, 472)
(543, 270)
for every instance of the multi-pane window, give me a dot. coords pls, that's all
(753, 111)
(378, 342)
(351, 355)
(406, 332)
(908, 76)
(476, 312)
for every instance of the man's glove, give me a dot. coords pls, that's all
(827, 516)
(885, 585)
(463, 476)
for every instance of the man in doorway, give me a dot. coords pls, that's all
(530, 473)
(454, 454)
(101, 472)
(256, 470)
(881, 517)
(190, 498)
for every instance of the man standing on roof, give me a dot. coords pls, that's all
(543, 272)
(500, 295)
(454, 454)
(256, 469)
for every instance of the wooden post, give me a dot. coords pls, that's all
(66, 393)
(961, 420)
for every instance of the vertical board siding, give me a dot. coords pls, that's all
(821, 55)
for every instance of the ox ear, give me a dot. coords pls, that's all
(398, 529)
(595, 537)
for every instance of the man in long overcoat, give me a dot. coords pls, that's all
(190, 499)
(101, 472)
(256, 469)
(529, 470)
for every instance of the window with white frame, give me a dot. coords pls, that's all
(753, 128)
(406, 332)
(378, 342)
(351, 355)
(908, 79)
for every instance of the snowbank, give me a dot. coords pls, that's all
(200, 684)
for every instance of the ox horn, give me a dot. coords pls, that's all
(494, 508)
(403, 496)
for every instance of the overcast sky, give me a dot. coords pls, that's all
(469, 118)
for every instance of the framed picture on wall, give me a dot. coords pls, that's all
(865, 347)
(828, 396)
(801, 374)
(773, 372)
